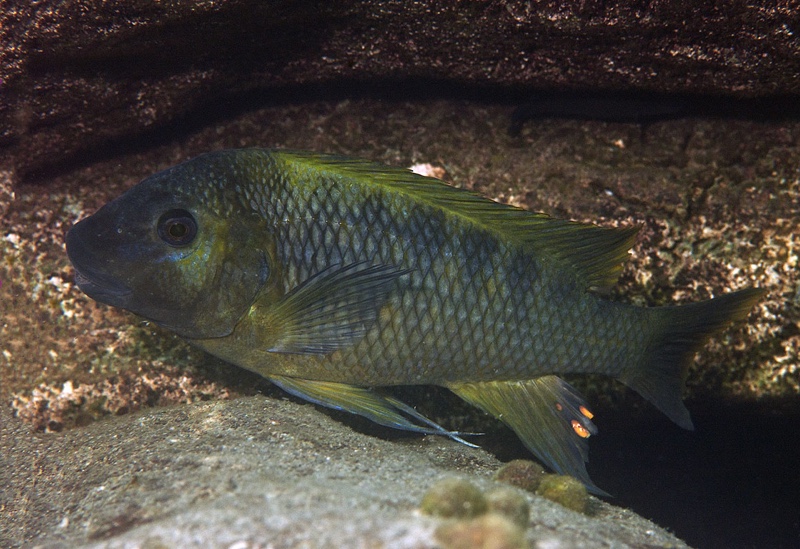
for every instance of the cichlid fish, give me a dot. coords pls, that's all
(331, 276)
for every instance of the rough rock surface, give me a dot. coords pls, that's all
(255, 472)
(75, 75)
(717, 201)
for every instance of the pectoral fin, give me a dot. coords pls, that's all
(384, 410)
(332, 309)
(548, 415)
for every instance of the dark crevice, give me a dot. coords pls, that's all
(567, 104)
(730, 483)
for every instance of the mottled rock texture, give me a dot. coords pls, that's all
(257, 473)
(717, 202)
(93, 85)
(76, 76)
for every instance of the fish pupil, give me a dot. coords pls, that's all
(177, 228)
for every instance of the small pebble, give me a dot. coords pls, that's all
(509, 503)
(453, 498)
(489, 531)
(566, 490)
(521, 473)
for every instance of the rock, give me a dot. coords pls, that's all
(255, 472)
(484, 532)
(522, 473)
(453, 497)
(510, 504)
(565, 490)
(78, 78)
(716, 201)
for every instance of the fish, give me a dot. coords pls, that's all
(336, 278)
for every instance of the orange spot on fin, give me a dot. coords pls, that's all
(559, 407)
(585, 411)
(579, 429)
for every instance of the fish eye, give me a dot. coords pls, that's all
(177, 228)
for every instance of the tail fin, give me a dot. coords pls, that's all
(683, 330)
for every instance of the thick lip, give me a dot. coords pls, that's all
(93, 282)
(101, 288)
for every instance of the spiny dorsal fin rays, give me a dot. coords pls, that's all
(595, 253)
(549, 416)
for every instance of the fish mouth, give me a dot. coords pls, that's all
(94, 282)
(102, 288)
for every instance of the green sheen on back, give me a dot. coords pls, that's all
(595, 253)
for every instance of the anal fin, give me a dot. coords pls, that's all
(548, 415)
(384, 410)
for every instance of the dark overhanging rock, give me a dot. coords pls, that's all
(77, 76)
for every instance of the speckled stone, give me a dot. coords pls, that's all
(253, 471)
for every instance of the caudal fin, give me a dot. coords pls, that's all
(682, 331)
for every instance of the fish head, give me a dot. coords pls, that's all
(178, 249)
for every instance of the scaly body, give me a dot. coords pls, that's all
(472, 307)
(330, 276)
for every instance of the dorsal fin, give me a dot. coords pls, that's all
(595, 253)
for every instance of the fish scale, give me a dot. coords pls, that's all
(330, 232)
(331, 276)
